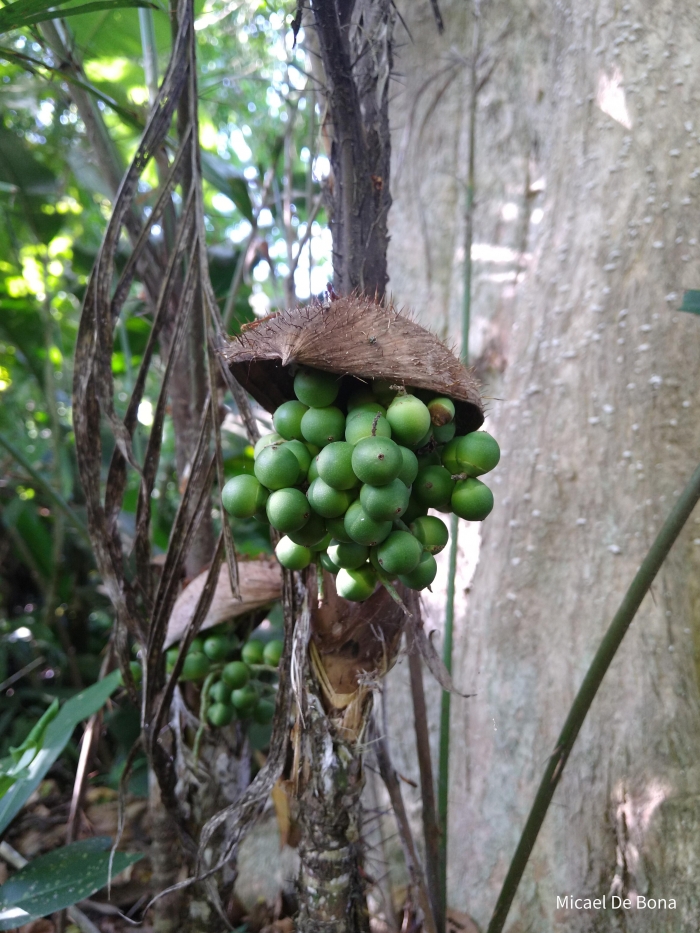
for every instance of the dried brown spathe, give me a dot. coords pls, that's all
(352, 336)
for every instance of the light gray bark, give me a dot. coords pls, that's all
(590, 117)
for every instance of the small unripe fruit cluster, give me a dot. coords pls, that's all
(242, 683)
(350, 485)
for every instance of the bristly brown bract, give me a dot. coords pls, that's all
(354, 337)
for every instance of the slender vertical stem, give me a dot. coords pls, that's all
(150, 52)
(444, 755)
(444, 750)
(427, 787)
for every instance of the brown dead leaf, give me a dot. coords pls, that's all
(261, 585)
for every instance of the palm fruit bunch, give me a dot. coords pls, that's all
(239, 679)
(349, 484)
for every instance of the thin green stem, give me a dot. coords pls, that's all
(46, 488)
(150, 52)
(445, 706)
(444, 752)
(612, 639)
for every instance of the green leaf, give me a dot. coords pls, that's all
(229, 181)
(57, 736)
(691, 302)
(35, 739)
(59, 879)
(24, 13)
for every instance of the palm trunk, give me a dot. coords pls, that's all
(331, 889)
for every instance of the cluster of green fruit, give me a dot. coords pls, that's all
(350, 488)
(239, 680)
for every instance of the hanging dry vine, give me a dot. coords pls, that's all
(185, 333)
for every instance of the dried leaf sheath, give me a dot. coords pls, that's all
(350, 336)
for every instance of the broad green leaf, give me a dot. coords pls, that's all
(35, 739)
(229, 181)
(106, 36)
(691, 302)
(57, 736)
(23, 13)
(59, 879)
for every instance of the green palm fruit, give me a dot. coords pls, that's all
(449, 456)
(444, 433)
(363, 529)
(432, 488)
(385, 503)
(328, 564)
(244, 699)
(277, 467)
(431, 458)
(361, 423)
(288, 510)
(216, 647)
(334, 465)
(235, 674)
(287, 419)
(272, 653)
(431, 532)
(472, 500)
(253, 650)
(313, 470)
(292, 556)
(422, 575)
(328, 502)
(310, 534)
(266, 441)
(415, 510)
(221, 714)
(303, 455)
(316, 388)
(409, 419)
(372, 408)
(477, 453)
(349, 556)
(323, 426)
(219, 692)
(243, 496)
(400, 553)
(376, 460)
(425, 441)
(409, 468)
(359, 397)
(196, 666)
(356, 585)
(442, 411)
(336, 528)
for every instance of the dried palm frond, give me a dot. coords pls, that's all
(171, 276)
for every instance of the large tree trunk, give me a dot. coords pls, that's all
(588, 124)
